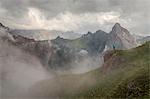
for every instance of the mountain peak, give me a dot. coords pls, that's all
(118, 29)
(89, 33)
(116, 26)
(121, 38)
(59, 38)
(99, 31)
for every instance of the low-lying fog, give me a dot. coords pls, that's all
(19, 70)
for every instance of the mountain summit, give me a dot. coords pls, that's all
(120, 38)
(116, 27)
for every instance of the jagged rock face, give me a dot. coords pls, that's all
(97, 42)
(120, 38)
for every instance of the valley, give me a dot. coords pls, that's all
(94, 65)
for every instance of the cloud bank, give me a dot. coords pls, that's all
(77, 15)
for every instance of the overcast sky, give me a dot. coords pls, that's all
(77, 15)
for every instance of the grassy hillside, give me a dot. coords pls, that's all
(124, 75)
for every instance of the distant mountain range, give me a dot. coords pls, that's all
(142, 40)
(39, 35)
(62, 52)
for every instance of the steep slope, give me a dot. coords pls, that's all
(124, 75)
(120, 38)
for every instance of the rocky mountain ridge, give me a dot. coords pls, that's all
(63, 53)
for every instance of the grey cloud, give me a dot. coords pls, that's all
(15, 8)
(135, 10)
(54, 7)
(77, 6)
